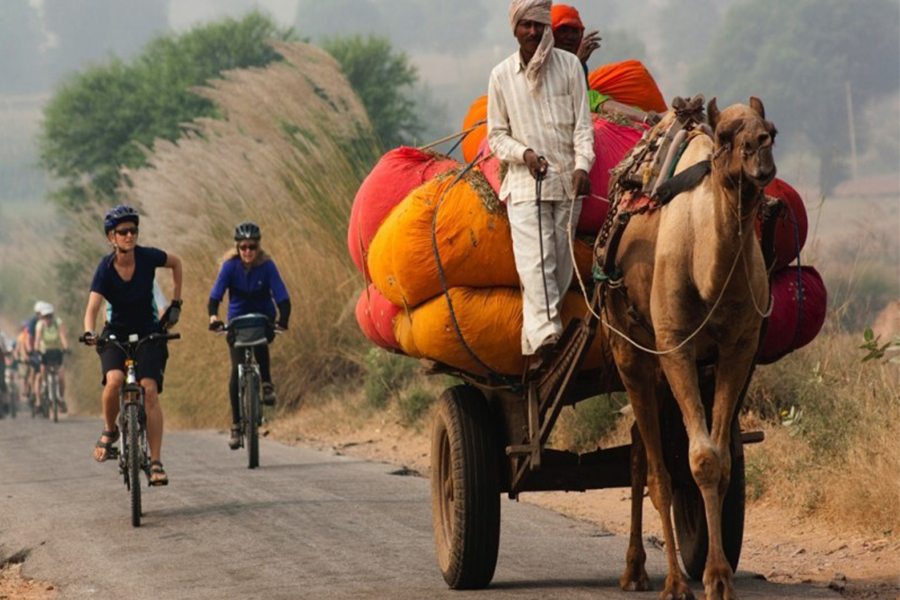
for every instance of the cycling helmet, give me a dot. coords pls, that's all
(247, 231)
(37, 307)
(120, 214)
(46, 309)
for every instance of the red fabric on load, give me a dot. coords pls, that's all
(375, 315)
(791, 327)
(399, 172)
(628, 82)
(490, 167)
(477, 112)
(611, 143)
(792, 227)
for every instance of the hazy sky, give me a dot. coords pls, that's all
(184, 13)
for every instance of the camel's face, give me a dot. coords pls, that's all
(744, 138)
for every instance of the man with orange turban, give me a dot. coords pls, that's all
(568, 34)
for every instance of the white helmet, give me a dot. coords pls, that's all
(45, 309)
(38, 305)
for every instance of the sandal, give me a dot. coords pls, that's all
(113, 437)
(158, 474)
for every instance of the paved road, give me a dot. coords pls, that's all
(306, 525)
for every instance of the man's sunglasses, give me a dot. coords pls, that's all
(127, 231)
(248, 247)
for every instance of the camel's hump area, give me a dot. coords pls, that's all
(699, 148)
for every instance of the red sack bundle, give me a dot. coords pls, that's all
(611, 143)
(628, 82)
(375, 315)
(399, 172)
(792, 227)
(477, 112)
(799, 303)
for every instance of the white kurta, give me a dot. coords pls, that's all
(556, 124)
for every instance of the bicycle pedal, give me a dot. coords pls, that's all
(112, 454)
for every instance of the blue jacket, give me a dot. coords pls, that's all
(254, 290)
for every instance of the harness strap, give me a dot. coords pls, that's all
(684, 181)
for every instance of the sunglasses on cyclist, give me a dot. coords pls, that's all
(248, 247)
(127, 231)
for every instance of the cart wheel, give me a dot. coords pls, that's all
(465, 489)
(690, 519)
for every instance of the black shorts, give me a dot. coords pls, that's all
(151, 361)
(52, 358)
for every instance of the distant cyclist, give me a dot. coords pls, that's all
(125, 280)
(254, 285)
(50, 341)
(34, 357)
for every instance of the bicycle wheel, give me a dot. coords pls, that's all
(132, 449)
(54, 397)
(13, 401)
(251, 419)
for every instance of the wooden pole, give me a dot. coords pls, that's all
(853, 157)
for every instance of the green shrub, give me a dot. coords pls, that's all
(413, 405)
(385, 376)
(591, 420)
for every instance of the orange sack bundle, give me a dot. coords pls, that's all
(473, 238)
(630, 83)
(472, 234)
(491, 324)
(477, 112)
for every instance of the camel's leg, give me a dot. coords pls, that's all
(642, 393)
(718, 578)
(635, 579)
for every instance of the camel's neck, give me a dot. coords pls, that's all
(732, 226)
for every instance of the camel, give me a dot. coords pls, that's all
(694, 272)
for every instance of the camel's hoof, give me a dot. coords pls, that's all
(681, 592)
(639, 585)
(719, 584)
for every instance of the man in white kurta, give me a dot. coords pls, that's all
(539, 123)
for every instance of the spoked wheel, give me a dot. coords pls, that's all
(251, 423)
(133, 461)
(465, 489)
(690, 517)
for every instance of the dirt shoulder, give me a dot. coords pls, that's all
(15, 586)
(778, 546)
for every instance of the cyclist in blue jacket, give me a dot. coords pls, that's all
(254, 285)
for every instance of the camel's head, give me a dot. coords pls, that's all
(744, 140)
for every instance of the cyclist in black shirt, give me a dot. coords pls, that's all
(125, 280)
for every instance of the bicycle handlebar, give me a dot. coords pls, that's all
(129, 348)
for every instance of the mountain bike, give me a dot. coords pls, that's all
(135, 454)
(245, 332)
(50, 396)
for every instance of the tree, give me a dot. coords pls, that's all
(799, 57)
(383, 79)
(102, 116)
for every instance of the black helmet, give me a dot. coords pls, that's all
(120, 214)
(247, 231)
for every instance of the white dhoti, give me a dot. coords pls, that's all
(557, 233)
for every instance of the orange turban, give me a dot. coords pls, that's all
(563, 14)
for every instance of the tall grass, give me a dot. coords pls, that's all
(292, 147)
